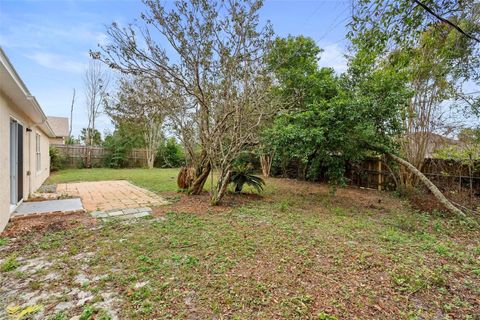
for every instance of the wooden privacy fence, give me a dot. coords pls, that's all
(75, 156)
(448, 175)
(373, 173)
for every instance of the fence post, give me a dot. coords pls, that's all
(380, 175)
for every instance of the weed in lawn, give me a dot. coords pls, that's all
(3, 241)
(412, 281)
(9, 264)
(90, 313)
(58, 316)
(338, 211)
(394, 236)
(442, 250)
(297, 307)
(284, 205)
(325, 316)
(34, 285)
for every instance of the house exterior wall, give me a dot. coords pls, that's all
(9, 110)
(59, 140)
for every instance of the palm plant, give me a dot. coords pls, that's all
(243, 174)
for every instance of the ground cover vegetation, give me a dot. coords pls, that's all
(298, 252)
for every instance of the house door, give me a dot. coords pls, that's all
(16, 162)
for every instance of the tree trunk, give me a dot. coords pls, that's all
(199, 182)
(266, 164)
(221, 187)
(440, 197)
(202, 171)
(150, 161)
(150, 158)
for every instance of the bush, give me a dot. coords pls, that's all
(248, 158)
(243, 174)
(118, 148)
(57, 160)
(170, 154)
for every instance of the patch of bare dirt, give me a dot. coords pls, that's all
(47, 223)
(425, 202)
(184, 203)
(348, 196)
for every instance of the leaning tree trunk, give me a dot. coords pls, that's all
(221, 187)
(437, 193)
(202, 171)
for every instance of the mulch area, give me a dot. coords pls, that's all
(348, 197)
(47, 223)
(183, 203)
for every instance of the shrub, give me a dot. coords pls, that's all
(170, 154)
(57, 160)
(118, 148)
(243, 174)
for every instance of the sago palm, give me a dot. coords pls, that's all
(243, 174)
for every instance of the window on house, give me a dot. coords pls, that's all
(38, 153)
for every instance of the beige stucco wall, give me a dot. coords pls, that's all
(31, 182)
(57, 140)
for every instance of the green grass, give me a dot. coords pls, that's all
(9, 264)
(156, 180)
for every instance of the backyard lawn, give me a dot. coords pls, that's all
(298, 252)
(156, 180)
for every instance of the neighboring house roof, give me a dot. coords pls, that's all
(434, 142)
(12, 85)
(59, 126)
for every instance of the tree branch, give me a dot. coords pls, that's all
(455, 26)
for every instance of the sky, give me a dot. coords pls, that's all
(48, 41)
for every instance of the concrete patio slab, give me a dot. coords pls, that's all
(49, 206)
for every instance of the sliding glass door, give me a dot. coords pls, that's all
(16, 162)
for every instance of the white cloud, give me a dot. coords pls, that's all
(57, 62)
(333, 56)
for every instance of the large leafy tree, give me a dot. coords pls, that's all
(344, 119)
(437, 43)
(362, 118)
(299, 86)
(141, 104)
(211, 53)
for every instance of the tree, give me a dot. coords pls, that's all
(401, 20)
(90, 137)
(96, 82)
(120, 143)
(71, 118)
(438, 57)
(218, 67)
(141, 103)
(436, 76)
(170, 154)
